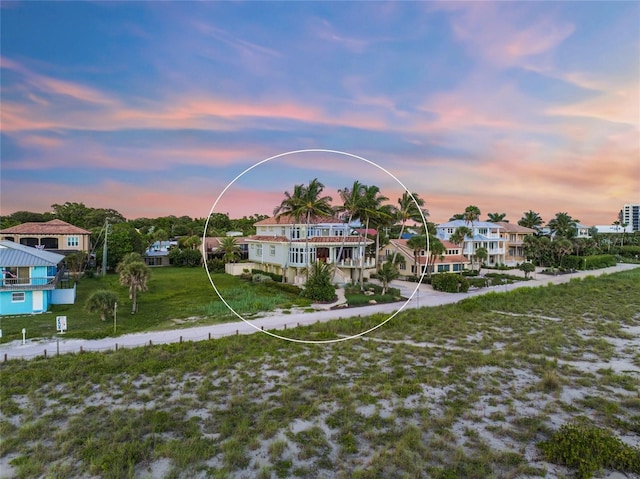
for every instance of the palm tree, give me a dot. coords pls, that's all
(134, 275)
(351, 205)
(471, 214)
(307, 203)
(290, 206)
(459, 235)
(102, 301)
(417, 243)
(496, 217)
(371, 209)
(387, 273)
(457, 216)
(482, 254)
(409, 208)
(563, 225)
(230, 248)
(532, 220)
(562, 248)
(436, 250)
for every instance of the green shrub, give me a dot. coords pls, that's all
(286, 287)
(261, 278)
(319, 285)
(215, 265)
(589, 449)
(450, 283)
(273, 276)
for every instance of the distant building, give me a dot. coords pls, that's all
(631, 216)
(613, 229)
(158, 253)
(56, 235)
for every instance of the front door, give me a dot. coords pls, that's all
(38, 301)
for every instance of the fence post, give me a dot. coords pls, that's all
(57, 347)
(45, 354)
(150, 343)
(5, 357)
(116, 346)
(180, 339)
(237, 332)
(209, 334)
(81, 350)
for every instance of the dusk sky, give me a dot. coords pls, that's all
(152, 108)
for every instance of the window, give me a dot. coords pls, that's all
(73, 241)
(272, 250)
(403, 266)
(443, 268)
(482, 231)
(457, 267)
(259, 249)
(17, 297)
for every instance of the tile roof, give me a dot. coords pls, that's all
(289, 220)
(53, 227)
(514, 227)
(17, 255)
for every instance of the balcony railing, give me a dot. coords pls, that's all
(32, 283)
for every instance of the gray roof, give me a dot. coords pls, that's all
(16, 255)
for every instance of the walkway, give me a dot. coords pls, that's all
(422, 296)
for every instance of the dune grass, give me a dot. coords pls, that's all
(182, 294)
(466, 390)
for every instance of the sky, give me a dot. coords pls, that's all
(157, 108)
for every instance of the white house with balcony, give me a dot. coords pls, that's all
(283, 246)
(485, 235)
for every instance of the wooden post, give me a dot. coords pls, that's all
(45, 354)
(116, 346)
(209, 335)
(81, 350)
(150, 343)
(180, 339)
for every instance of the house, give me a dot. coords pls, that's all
(158, 253)
(30, 279)
(484, 235)
(56, 236)
(452, 261)
(212, 246)
(284, 246)
(514, 236)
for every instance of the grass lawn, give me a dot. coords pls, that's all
(479, 389)
(176, 297)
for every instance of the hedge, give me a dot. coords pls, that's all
(588, 262)
(450, 283)
(273, 276)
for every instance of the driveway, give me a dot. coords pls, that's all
(420, 296)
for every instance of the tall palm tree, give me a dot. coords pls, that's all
(134, 275)
(417, 243)
(101, 301)
(436, 250)
(291, 207)
(496, 217)
(372, 203)
(408, 209)
(307, 203)
(471, 214)
(387, 273)
(532, 220)
(351, 205)
(563, 225)
(459, 235)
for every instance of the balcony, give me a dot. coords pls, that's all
(38, 283)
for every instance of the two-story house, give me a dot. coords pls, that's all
(30, 279)
(451, 261)
(56, 235)
(514, 236)
(484, 235)
(283, 246)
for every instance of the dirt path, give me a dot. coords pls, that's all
(420, 296)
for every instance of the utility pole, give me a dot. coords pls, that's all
(104, 247)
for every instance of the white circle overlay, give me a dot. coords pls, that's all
(323, 341)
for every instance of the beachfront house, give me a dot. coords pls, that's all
(484, 235)
(414, 262)
(286, 247)
(30, 279)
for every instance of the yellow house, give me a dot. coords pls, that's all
(55, 235)
(514, 236)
